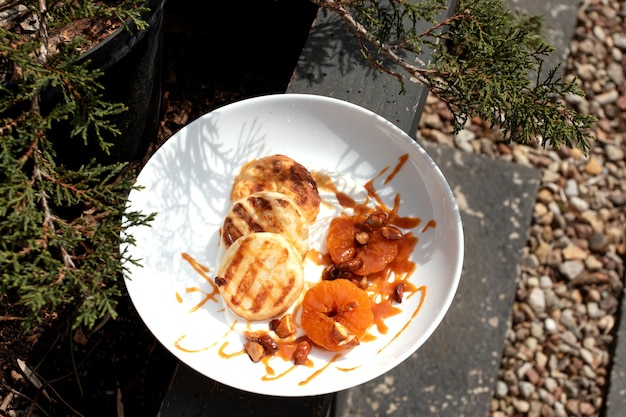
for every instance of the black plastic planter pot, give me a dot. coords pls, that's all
(131, 62)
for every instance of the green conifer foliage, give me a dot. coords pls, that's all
(486, 62)
(60, 229)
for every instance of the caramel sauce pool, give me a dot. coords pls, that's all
(381, 285)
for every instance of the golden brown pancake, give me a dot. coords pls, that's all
(281, 174)
(260, 276)
(266, 211)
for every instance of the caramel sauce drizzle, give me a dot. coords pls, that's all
(423, 289)
(223, 354)
(347, 369)
(179, 346)
(203, 271)
(319, 371)
(402, 160)
(269, 376)
(430, 224)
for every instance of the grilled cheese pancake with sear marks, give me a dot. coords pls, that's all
(261, 276)
(281, 174)
(266, 211)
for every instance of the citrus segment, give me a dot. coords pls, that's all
(373, 255)
(336, 314)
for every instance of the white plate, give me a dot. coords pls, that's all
(187, 182)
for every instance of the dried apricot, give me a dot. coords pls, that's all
(345, 244)
(336, 314)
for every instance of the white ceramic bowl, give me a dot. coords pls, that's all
(187, 183)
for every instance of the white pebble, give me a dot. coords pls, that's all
(619, 40)
(550, 325)
(550, 384)
(568, 319)
(609, 97)
(571, 188)
(586, 356)
(545, 282)
(579, 204)
(526, 388)
(537, 300)
(571, 269)
(502, 389)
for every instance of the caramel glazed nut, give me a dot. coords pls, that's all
(258, 345)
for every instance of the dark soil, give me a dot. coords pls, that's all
(215, 53)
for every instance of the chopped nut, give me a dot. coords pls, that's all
(350, 341)
(348, 253)
(359, 281)
(364, 227)
(350, 306)
(269, 345)
(398, 292)
(351, 265)
(377, 219)
(362, 238)
(273, 324)
(302, 352)
(343, 337)
(350, 276)
(253, 337)
(391, 233)
(285, 327)
(363, 283)
(330, 272)
(340, 332)
(254, 350)
(219, 281)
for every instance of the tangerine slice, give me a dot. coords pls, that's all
(331, 302)
(342, 247)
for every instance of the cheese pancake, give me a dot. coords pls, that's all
(281, 174)
(260, 276)
(266, 211)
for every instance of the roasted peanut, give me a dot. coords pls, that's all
(254, 350)
(391, 233)
(398, 292)
(330, 272)
(364, 283)
(364, 227)
(340, 332)
(348, 254)
(269, 345)
(285, 327)
(357, 280)
(350, 341)
(302, 352)
(273, 324)
(343, 336)
(361, 238)
(351, 265)
(253, 337)
(377, 219)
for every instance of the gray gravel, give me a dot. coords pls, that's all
(557, 355)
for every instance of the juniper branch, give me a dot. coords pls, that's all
(482, 64)
(60, 229)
